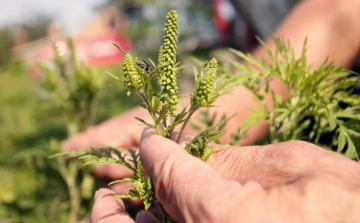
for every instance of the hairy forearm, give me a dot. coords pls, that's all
(332, 29)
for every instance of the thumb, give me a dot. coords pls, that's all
(184, 185)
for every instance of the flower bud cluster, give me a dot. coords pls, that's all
(213, 64)
(133, 79)
(161, 58)
(168, 60)
(139, 187)
(205, 84)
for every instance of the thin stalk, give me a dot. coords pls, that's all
(89, 113)
(191, 112)
(74, 201)
(161, 128)
(145, 100)
(161, 212)
(164, 122)
(74, 193)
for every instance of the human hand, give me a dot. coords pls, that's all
(288, 182)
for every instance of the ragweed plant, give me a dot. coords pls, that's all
(320, 102)
(157, 86)
(321, 108)
(72, 89)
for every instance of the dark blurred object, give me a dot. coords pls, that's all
(264, 16)
(36, 27)
(204, 24)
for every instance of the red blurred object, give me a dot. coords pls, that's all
(220, 22)
(92, 51)
(97, 50)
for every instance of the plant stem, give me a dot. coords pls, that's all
(146, 101)
(191, 112)
(160, 129)
(74, 193)
(161, 212)
(74, 201)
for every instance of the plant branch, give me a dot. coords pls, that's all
(191, 112)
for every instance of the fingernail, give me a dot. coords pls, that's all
(96, 194)
(139, 216)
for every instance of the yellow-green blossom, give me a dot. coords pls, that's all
(133, 79)
(167, 60)
(204, 85)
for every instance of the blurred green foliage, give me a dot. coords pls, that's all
(32, 189)
(5, 45)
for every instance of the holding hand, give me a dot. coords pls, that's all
(291, 181)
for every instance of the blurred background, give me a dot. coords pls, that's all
(32, 189)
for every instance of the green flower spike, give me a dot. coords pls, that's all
(161, 60)
(167, 60)
(133, 79)
(205, 84)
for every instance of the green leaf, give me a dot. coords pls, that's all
(282, 114)
(216, 135)
(146, 204)
(120, 181)
(144, 122)
(143, 106)
(351, 150)
(342, 138)
(119, 48)
(162, 115)
(124, 196)
(149, 91)
(254, 119)
(209, 131)
(58, 155)
(332, 120)
(196, 72)
(117, 79)
(155, 104)
(152, 63)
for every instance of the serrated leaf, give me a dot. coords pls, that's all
(208, 131)
(254, 119)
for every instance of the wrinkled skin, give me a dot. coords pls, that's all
(287, 182)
